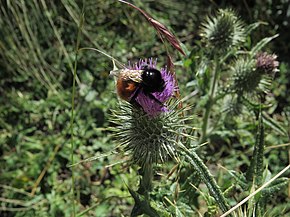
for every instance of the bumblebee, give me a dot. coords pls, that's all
(130, 82)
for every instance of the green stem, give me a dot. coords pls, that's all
(210, 102)
(72, 114)
(146, 180)
(208, 179)
(142, 206)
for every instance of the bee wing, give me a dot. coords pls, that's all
(128, 74)
(135, 75)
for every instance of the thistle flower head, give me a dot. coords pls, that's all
(252, 75)
(147, 140)
(150, 134)
(267, 63)
(223, 31)
(156, 106)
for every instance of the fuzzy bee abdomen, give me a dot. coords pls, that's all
(126, 89)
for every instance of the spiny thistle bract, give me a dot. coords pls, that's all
(149, 140)
(223, 31)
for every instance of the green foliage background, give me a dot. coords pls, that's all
(37, 51)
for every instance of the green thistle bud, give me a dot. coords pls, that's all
(234, 107)
(248, 77)
(149, 140)
(245, 76)
(223, 31)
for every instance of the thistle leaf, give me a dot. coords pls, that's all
(240, 179)
(253, 26)
(279, 210)
(275, 186)
(142, 206)
(274, 124)
(261, 44)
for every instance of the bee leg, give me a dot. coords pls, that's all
(133, 98)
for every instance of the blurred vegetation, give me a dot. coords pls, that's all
(37, 53)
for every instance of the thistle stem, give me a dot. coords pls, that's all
(208, 179)
(146, 180)
(210, 102)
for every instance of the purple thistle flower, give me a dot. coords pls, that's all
(149, 105)
(267, 62)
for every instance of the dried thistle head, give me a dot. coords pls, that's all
(223, 31)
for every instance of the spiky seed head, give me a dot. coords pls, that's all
(223, 31)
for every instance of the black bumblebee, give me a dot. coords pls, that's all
(130, 82)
